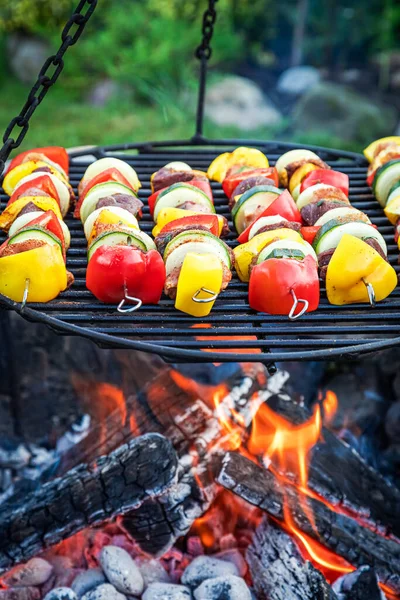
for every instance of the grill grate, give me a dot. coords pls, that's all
(328, 332)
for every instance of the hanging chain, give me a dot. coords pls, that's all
(203, 53)
(209, 18)
(48, 75)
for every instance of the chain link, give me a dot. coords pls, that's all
(48, 75)
(209, 18)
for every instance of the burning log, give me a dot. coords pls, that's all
(87, 495)
(338, 474)
(340, 533)
(278, 570)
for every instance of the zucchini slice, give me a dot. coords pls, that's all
(342, 211)
(101, 191)
(115, 238)
(386, 177)
(330, 234)
(200, 242)
(177, 194)
(287, 249)
(248, 203)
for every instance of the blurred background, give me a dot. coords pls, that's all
(324, 73)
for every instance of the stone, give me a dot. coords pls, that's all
(295, 81)
(152, 571)
(35, 572)
(22, 593)
(26, 55)
(237, 101)
(166, 591)
(106, 591)
(87, 581)
(121, 570)
(223, 588)
(234, 556)
(343, 113)
(61, 593)
(207, 567)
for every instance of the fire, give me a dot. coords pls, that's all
(330, 406)
(231, 422)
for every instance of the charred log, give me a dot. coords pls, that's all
(338, 474)
(87, 495)
(278, 570)
(342, 534)
(359, 585)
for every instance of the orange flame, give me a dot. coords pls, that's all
(330, 406)
(231, 422)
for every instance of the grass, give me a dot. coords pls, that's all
(64, 119)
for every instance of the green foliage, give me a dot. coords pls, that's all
(31, 15)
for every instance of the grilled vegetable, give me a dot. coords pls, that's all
(289, 162)
(328, 177)
(37, 218)
(342, 211)
(230, 183)
(12, 211)
(49, 184)
(109, 175)
(319, 192)
(56, 156)
(374, 148)
(330, 234)
(178, 195)
(99, 166)
(122, 236)
(298, 176)
(251, 204)
(100, 191)
(353, 265)
(386, 177)
(200, 278)
(283, 206)
(276, 284)
(116, 272)
(392, 209)
(245, 253)
(14, 176)
(210, 222)
(111, 215)
(247, 157)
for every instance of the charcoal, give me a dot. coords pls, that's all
(234, 556)
(152, 571)
(105, 591)
(223, 588)
(61, 593)
(34, 572)
(22, 593)
(89, 494)
(278, 570)
(121, 570)
(14, 456)
(207, 567)
(359, 585)
(166, 591)
(87, 581)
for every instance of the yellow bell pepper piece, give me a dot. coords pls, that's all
(392, 210)
(11, 212)
(14, 177)
(199, 271)
(169, 214)
(245, 253)
(249, 157)
(353, 264)
(370, 150)
(45, 269)
(300, 174)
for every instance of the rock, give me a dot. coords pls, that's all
(166, 591)
(35, 572)
(298, 80)
(26, 56)
(61, 593)
(223, 588)
(87, 581)
(152, 571)
(121, 570)
(102, 92)
(106, 591)
(207, 567)
(342, 113)
(234, 556)
(239, 102)
(22, 593)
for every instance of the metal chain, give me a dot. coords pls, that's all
(209, 18)
(47, 77)
(203, 53)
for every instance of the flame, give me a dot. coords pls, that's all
(231, 422)
(330, 406)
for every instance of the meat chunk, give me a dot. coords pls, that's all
(19, 247)
(30, 207)
(282, 224)
(292, 167)
(166, 177)
(247, 184)
(315, 210)
(34, 192)
(129, 203)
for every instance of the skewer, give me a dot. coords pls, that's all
(371, 292)
(213, 296)
(25, 295)
(130, 308)
(296, 301)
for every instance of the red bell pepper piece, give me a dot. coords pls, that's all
(41, 182)
(231, 181)
(271, 283)
(56, 154)
(50, 222)
(327, 176)
(209, 221)
(309, 233)
(111, 174)
(116, 271)
(284, 206)
(204, 186)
